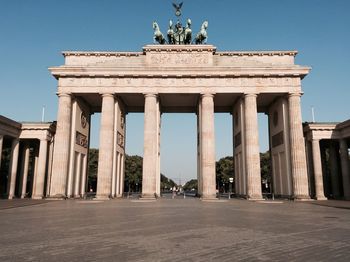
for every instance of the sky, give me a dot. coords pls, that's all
(34, 32)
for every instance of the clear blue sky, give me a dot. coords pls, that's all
(34, 32)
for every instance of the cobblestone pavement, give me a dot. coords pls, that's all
(174, 230)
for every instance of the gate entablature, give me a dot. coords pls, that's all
(169, 68)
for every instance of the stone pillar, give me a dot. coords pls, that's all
(317, 164)
(252, 152)
(25, 165)
(105, 159)
(77, 174)
(11, 183)
(208, 179)
(326, 177)
(49, 166)
(122, 174)
(61, 149)
(158, 178)
(334, 168)
(83, 177)
(41, 171)
(297, 148)
(1, 142)
(150, 148)
(118, 171)
(345, 168)
(199, 149)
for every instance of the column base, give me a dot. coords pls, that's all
(102, 197)
(209, 197)
(37, 197)
(302, 198)
(255, 198)
(10, 197)
(321, 198)
(56, 197)
(148, 197)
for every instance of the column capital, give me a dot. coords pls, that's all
(107, 95)
(150, 95)
(44, 139)
(299, 94)
(252, 94)
(207, 94)
(64, 94)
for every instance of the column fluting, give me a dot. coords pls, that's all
(297, 148)
(150, 148)
(252, 152)
(105, 158)
(61, 150)
(208, 178)
(316, 157)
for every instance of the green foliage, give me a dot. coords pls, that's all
(192, 184)
(224, 170)
(133, 173)
(93, 162)
(5, 165)
(265, 166)
(166, 183)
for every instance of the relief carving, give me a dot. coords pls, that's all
(179, 59)
(187, 81)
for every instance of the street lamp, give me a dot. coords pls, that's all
(230, 189)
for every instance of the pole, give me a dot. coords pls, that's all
(313, 114)
(43, 114)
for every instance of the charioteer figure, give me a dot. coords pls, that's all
(179, 35)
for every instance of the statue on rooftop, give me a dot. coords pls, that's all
(158, 36)
(202, 35)
(179, 35)
(170, 34)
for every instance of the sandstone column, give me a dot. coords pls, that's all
(316, 157)
(25, 160)
(118, 171)
(297, 148)
(49, 166)
(326, 177)
(345, 168)
(208, 179)
(83, 177)
(199, 149)
(252, 152)
(150, 148)
(1, 142)
(334, 168)
(61, 149)
(11, 183)
(122, 174)
(77, 179)
(105, 159)
(40, 175)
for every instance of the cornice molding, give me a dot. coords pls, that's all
(170, 72)
(257, 53)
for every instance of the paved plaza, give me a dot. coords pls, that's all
(174, 230)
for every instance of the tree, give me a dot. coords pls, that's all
(224, 170)
(265, 166)
(133, 173)
(265, 169)
(192, 184)
(93, 163)
(166, 183)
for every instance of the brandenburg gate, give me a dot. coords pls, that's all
(179, 78)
